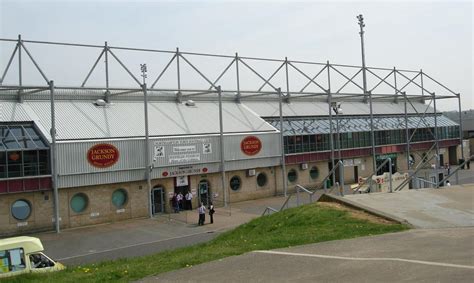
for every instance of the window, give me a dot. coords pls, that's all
(292, 176)
(261, 179)
(79, 202)
(21, 209)
(12, 260)
(23, 152)
(119, 198)
(235, 183)
(314, 173)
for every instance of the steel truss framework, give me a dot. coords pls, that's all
(325, 82)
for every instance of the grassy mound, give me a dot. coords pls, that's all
(297, 226)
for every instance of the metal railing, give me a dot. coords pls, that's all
(413, 174)
(301, 188)
(455, 171)
(369, 178)
(339, 165)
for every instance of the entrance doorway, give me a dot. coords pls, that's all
(453, 160)
(182, 187)
(158, 200)
(385, 167)
(204, 192)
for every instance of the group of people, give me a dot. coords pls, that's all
(180, 202)
(202, 213)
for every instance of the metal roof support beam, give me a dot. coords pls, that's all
(223, 72)
(384, 80)
(436, 142)
(221, 147)
(306, 76)
(9, 63)
(331, 137)
(322, 70)
(346, 77)
(350, 80)
(107, 91)
(407, 131)
(372, 134)
(237, 76)
(34, 62)
(197, 70)
(460, 125)
(53, 157)
(287, 99)
(124, 67)
(178, 76)
(256, 73)
(271, 77)
(163, 72)
(93, 68)
(440, 84)
(395, 83)
(282, 143)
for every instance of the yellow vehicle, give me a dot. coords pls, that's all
(21, 255)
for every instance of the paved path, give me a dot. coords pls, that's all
(425, 208)
(138, 237)
(434, 255)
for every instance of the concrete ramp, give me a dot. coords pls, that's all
(425, 208)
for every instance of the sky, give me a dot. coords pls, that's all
(433, 36)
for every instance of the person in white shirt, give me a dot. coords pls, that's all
(189, 198)
(179, 197)
(448, 184)
(202, 214)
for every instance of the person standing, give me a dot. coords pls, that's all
(211, 212)
(180, 201)
(174, 203)
(202, 214)
(189, 199)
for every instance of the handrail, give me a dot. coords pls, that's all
(286, 202)
(268, 209)
(324, 185)
(369, 178)
(456, 170)
(410, 177)
(298, 188)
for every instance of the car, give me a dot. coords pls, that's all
(20, 255)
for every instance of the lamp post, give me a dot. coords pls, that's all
(336, 107)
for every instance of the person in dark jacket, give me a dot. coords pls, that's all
(211, 212)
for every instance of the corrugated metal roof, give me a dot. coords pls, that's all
(321, 126)
(320, 108)
(84, 120)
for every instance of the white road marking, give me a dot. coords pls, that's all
(370, 259)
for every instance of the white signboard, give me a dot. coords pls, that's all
(184, 148)
(158, 151)
(186, 157)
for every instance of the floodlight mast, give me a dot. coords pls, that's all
(367, 93)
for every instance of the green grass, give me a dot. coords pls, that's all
(291, 227)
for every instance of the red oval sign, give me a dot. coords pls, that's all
(251, 145)
(103, 155)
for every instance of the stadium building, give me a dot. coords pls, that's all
(123, 152)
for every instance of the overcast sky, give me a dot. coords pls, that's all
(433, 36)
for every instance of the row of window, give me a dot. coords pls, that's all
(21, 209)
(292, 175)
(24, 163)
(321, 142)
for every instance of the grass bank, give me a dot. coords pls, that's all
(297, 226)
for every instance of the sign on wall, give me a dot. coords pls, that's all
(251, 145)
(103, 155)
(181, 151)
